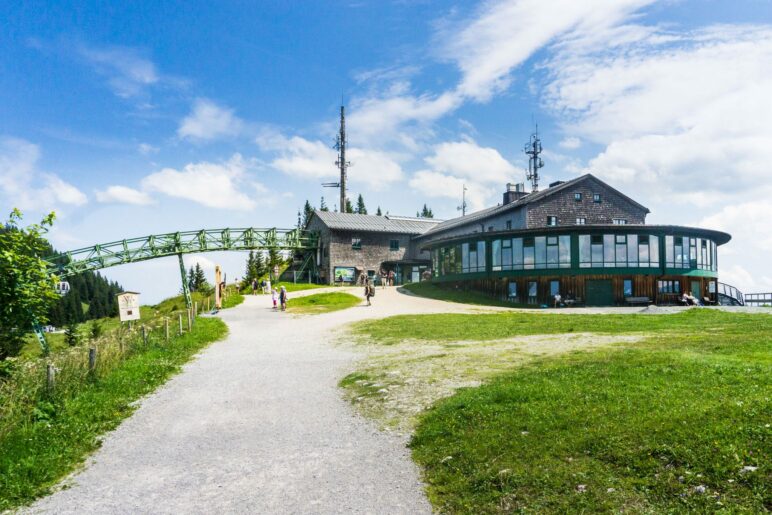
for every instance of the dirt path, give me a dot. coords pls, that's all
(256, 424)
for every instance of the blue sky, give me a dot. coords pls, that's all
(160, 116)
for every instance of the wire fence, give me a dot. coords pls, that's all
(24, 394)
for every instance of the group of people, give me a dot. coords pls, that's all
(687, 299)
(279, 297)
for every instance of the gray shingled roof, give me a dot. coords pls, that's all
(531, 197)
(372, 223)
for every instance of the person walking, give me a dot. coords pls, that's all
(254, 286)
(384, 278)
(369, 291)
(283, 298)
(274, 297)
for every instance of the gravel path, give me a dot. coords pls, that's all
(255, 424)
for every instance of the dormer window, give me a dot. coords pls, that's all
(596, 198)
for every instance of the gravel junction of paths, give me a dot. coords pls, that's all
(255, 424)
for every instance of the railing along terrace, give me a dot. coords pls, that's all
(758, 299)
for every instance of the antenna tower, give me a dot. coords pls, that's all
(533, 149)
(341, 163)
(462, 207)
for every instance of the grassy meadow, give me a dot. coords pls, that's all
(322, 303)
(671, 414)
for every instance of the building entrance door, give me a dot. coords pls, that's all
(696, 290)
(600, 293)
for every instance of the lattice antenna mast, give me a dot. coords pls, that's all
(462, 207)
(533, 149)
(341, 163)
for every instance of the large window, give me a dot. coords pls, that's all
(531, 253)
(473, 257)
(686, 252)
(669, 287)
(618, 251)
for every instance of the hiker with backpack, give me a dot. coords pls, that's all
(369, 291)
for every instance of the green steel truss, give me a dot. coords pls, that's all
(177, 243)
(134, 250)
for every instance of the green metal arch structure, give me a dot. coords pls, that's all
(134, 250)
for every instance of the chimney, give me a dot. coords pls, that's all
(514, 192)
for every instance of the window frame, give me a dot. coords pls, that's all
(552, 218)
(356, 243)
(596, 198)
(578, 196)
(392, 246)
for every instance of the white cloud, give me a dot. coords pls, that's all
(209, 121)
(25, 186)
(468, 160)
(146, 149)
(299, 157)
(191, 260)
(570, 143)
(680, 114)
(127, 71)
(505, 33)
(123, 195)
(439, 185)
(215, 185)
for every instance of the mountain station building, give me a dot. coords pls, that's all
(581, 239)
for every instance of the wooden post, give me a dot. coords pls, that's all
(120, 345)
(180, 333)
(144, 335)
(91, 359)
(195, 310)
(207, 303)
(190, 319)
(50, 378)
(166, 329)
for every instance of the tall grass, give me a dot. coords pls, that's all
(48, 428)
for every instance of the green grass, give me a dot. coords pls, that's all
(455, 327)
(322, 303)
(652, 423)
(63, 430)
(299, 286)
(434, 291)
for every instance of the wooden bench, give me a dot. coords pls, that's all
(632, 301)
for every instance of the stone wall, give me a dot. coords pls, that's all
(562, 204)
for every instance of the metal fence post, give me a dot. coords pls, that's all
(190, 319)
(180, 319)
(144, 335)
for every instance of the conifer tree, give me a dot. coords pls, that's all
(323, 206)
(378, 212)
(308, 211)
(361, 209)
(349, 206)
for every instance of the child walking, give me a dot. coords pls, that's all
(274, 297)
(283, 298)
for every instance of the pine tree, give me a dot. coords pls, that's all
(308, 212)
(361, 209)
(199, 278)
(323, 206)
(426, 212)
(378, 212)
(192, 279)
(349, 206)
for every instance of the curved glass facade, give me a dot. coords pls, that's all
(577, 251)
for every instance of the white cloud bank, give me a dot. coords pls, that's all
(209, 121)
(224, 185)
(25, 186)
(123, 195)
